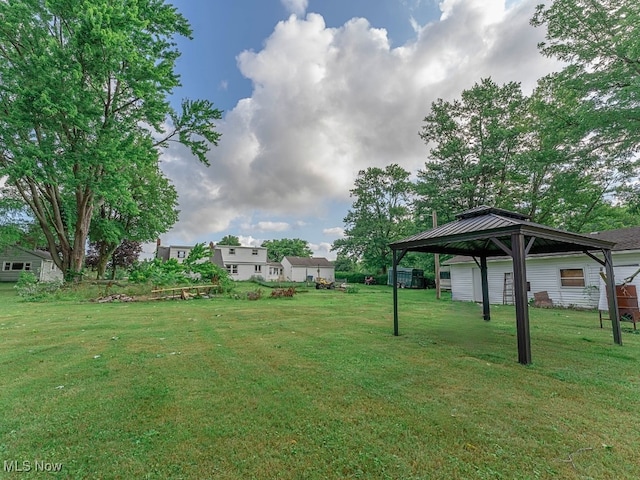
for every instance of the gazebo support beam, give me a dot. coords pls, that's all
(394, 275)
(486, 314)
(520, 298)
(614, 314)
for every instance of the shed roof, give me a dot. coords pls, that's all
(472, 233)
(309, 262)
(625, 238)
(43, 254)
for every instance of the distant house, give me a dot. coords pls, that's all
(274, 272)
(177, 252)
(570, 280)
(15, 260)
(302, 269)
(242, 263)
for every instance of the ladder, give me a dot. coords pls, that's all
(507, 290)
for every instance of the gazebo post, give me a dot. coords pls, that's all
(520, 291)
(394, 277)
(614, 314)
(486, 314)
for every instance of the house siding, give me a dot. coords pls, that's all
(247, 260)
(299, 273)
(45, 270)
(543, 274)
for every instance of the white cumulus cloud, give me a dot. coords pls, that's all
(296, 6)
(328, 102)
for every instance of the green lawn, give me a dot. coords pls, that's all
(313, 387)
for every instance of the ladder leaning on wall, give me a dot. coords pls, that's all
(507, 289)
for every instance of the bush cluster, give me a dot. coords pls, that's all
(32, 290)
(352, 277)
(195, 268)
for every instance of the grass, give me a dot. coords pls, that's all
(316, 387)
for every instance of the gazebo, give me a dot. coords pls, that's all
(484, 232)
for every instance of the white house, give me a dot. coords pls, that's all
(15, 260)
(177, 252)
(242, 263)
(302, 269)
(570, 280)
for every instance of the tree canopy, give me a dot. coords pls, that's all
(380, 214)
(286, 247)
(84, 110)
(599, 41)
(230, 240)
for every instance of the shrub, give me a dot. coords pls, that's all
(254, 294)
(352, 289)
(29, 288)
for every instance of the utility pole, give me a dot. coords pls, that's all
(434, 217)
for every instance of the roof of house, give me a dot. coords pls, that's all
(625, 238)
(309, 262)
(37, 253)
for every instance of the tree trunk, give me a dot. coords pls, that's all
(105, 253)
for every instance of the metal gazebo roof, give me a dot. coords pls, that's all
(488, 232)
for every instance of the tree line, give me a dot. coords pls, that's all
(567, 155)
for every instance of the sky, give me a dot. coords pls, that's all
(313, 91)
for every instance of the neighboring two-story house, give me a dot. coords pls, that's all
(242, 263)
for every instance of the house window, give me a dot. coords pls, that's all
(572, 277)
(182, 254)
(258, 269)
(254, 251)
(232, 251)
(14, 266)
(232, 268)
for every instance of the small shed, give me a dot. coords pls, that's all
(15, 260)
(484, 232)
(302, 269)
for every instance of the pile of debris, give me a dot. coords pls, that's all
(116, 297)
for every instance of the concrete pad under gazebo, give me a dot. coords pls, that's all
(484, 232)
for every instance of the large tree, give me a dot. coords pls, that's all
(148, 211)
(380, 214)
(286, 247)
(474, 143)
(84, 88)
(600, 42)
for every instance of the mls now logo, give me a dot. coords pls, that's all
(28, 466)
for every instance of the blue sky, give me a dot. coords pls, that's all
(314, 91)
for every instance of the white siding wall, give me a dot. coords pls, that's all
(543, 274)
(462, 282)
(179, 253)
(299, 274)
(246, 259)
(253, 255)
(49, 272)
